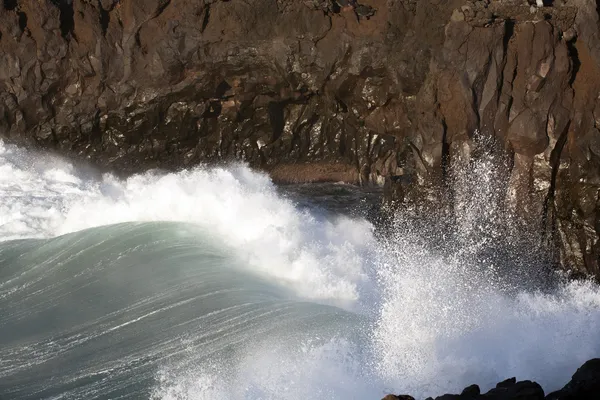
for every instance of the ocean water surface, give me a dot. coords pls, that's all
(214, 283)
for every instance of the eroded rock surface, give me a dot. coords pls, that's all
(321, 90)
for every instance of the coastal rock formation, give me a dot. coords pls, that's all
(509, 389)
(368, 91)
(585, 385)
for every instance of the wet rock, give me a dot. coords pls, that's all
(398, 397)
(471, 392)
(584, 385)
(527, 134)
(509, 390)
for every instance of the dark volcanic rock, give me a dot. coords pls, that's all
(507, 390)
(585, 384)
(398, 397)
(317, 90)
(525, 390)
(471, 392)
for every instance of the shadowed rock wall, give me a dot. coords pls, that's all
(308, 90)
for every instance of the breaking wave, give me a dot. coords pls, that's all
(213, 283)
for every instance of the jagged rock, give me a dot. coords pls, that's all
(293, 86)
(398, 397)
(585, 384)
(471, 392)
(507, 390)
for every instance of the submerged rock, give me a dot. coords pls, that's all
(397, 92)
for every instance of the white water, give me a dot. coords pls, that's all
(45, 197)
(441, 323)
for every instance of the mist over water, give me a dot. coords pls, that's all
(216, 285)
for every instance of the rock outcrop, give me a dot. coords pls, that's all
(361, 91)
(509, 389)
(585, 385)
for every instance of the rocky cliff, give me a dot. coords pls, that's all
(312, 90)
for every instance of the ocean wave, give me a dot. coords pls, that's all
(209, 283)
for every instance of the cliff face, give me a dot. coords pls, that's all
(310, 90)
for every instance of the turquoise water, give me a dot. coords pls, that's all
(213, 283)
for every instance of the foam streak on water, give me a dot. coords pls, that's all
(232, 300)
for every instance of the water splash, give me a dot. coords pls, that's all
(319, 257)
(448, 306)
